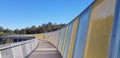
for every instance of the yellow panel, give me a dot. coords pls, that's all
(63, 46)
(38, 36)
(60, 38)
(99, 29)
(54, 40)
(57, 34)
(72, 39)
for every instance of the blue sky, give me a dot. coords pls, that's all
(22, 13)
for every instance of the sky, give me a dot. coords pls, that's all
(18, 14)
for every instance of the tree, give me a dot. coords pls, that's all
(8, 31)
(1, 29)
(33, 29)
(16, 31)
(22, 31)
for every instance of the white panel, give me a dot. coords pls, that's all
(0, 55)
(17, 52)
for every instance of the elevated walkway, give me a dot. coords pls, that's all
(95, 33)
(45, 50)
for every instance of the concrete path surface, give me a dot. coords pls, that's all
(45, 50)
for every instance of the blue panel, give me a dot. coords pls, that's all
(67, 40)
(118, 50)
(62, 39)
(81, 33)
(114, 49)
(117, 36)
(115, 53)
(118, 28)
(58, 39)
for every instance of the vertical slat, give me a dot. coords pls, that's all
(99, 30)
(81, 33)
(65, 37)
(72, 38)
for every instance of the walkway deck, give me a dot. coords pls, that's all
(45, 50)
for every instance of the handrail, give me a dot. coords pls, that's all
(15, 44)
(18, 49)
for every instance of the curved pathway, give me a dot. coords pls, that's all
(45, 50)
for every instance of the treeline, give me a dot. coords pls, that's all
(33, 29)
(6, 31)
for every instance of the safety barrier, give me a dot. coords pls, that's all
(92, 34)
(114, 49)
(19, 49)
(95, 33)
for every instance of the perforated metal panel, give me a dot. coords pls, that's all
(118, 55)
(67, 40)
(99, 31)
(114, 49)
(72, 38)
(65, 37)
(62, 39)
(81, 33)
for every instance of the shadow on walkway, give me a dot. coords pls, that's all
(45, 50)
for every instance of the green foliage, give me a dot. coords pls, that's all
(5, 41)
(5, 31)
(40, 29)
(33, 29)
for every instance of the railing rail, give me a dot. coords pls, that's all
(19, 49)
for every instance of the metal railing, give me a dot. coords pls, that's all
(19, 49)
